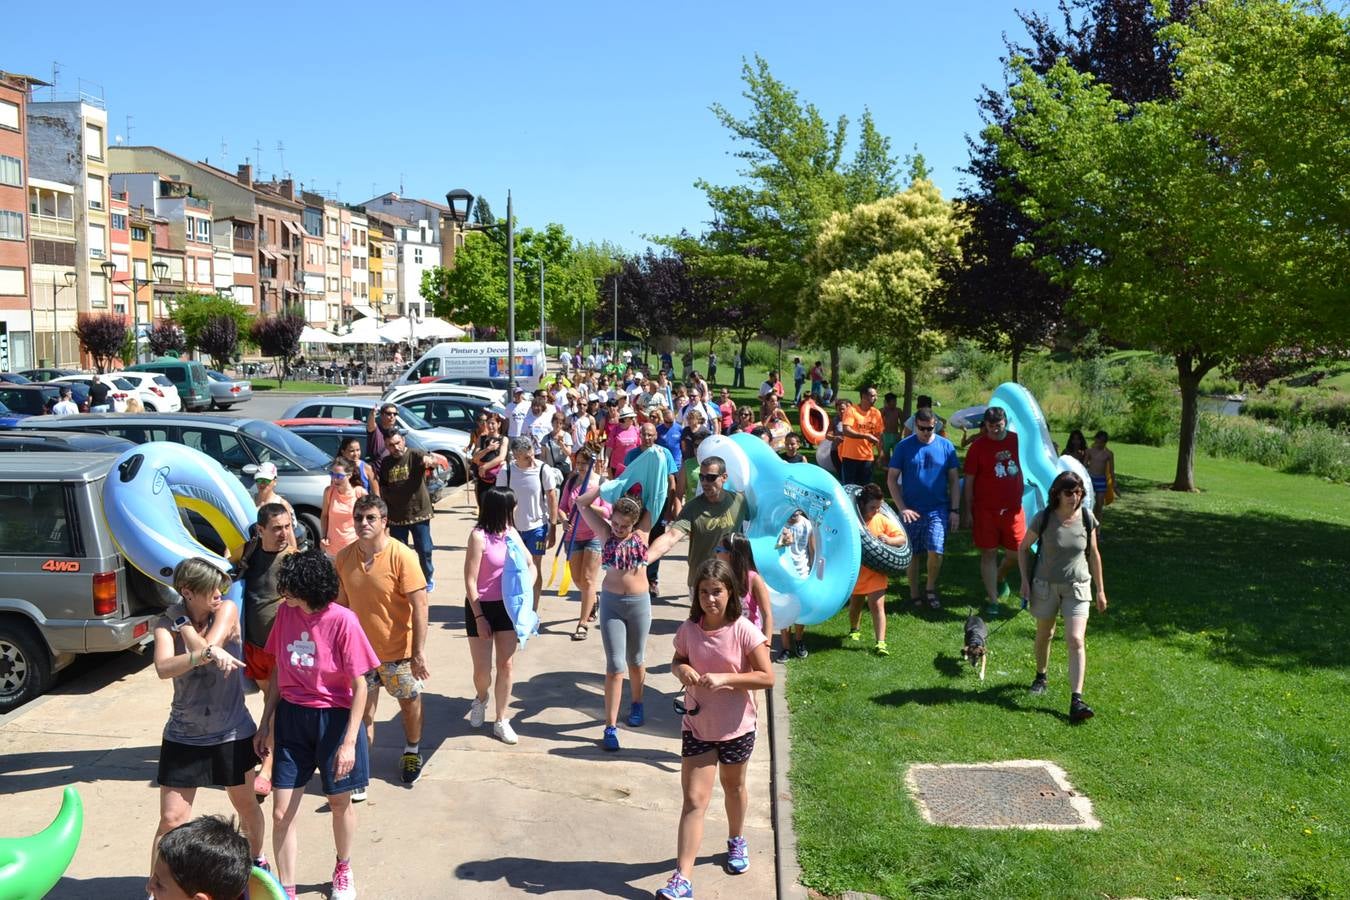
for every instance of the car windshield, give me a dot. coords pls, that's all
(411, 419)
(293, 445)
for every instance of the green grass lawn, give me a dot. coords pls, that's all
(1217, 761)
(299, 387)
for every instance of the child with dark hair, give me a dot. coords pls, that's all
(322, 657)
(734, 549)
(870, 587)
(205, 859)
(719, 658)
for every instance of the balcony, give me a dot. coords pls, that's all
(50, 226)
(198, 203)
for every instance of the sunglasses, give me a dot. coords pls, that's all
(374, 517)
(337, 476)
(683, 710)
(263, 480)
(923, 429)
(708, 479)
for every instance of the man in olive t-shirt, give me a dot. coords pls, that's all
(705, 518)
(403, 485)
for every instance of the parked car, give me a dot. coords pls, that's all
(8, 418)
(449, 442)
(240, 445)
(27, 440)
(14, 378)
(194, 385)
(227, 391)
(399, 392)
(48, 374)
(36, 399)
(448, 411)
(119, 389)
(157, 392)
(328, 434)
(66, 590)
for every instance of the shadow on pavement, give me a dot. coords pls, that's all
(598, 878)
(98, 888)
(34, 771)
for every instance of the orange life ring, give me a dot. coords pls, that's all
(811, 413)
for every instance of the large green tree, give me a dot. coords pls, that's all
(878, 275)
(193, 313)
(1208, 225)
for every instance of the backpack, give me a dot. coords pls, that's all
(1040, 531)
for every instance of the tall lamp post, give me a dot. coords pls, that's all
(614, 346)
(71, 278)
(161, 270)
(460, 202)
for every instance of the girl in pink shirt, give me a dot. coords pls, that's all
(719, 658)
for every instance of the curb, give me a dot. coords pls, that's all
(788, 873)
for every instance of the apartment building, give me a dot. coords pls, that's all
(375, 263)
(360, 260)
(314, 282)
(281, 245)
(119, 252)
(17, 292)
(190, 219)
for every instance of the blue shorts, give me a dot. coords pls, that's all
(536, 540)
(928, 533)
(594, 545)
(307, 739)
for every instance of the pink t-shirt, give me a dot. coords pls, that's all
(748, 604)
(574, 489)
(491, 566)
(318, 654)
(621, 440)
(722, 715)
(728, 410)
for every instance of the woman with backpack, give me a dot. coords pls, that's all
(1059, 580)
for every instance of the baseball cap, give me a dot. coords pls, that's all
(267, 471)
(517, 390)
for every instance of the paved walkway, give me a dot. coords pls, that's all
(553, 815)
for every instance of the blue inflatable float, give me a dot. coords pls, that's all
(776, 489)
(142, 498)
(1035, 449)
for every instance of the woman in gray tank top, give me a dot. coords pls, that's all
(208, 740)
(1059, 579)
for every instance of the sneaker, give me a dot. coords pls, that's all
(412, 768)
(477, 712)
(504, 732)
(801, 650)
(611, 740)
(738, 856)
(344, 883)
(855, 635)
(677, 888)
(991, 611)
(783, 655)
(1079, 711)
(1037, 684)
(881, 649)
(359, 795)
(636, 716)
(1004, 591)
(290, 893)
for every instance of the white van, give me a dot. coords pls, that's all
(486, 359)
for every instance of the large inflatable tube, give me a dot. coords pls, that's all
(1035, 449)
(263, 885)
(31, 866)
(815, 421)
(823, 458)
(142, 498)
(878, 555)
(774, 490)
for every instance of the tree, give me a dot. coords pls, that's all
(279, 337)
(219, 339)
(166, 338)
(1209, 225)
(192, 312)
(878, 269)
(102, 335)
(475, 289)
(482, 212)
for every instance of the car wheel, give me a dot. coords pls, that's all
(309, 524)
(456, 475)
(25, 666)
(150, 407)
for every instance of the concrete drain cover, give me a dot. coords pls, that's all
(1022, 793)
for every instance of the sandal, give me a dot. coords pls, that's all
(581, 632)
(918, 602)
(933, 601)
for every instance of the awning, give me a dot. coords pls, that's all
(364, 331)
(267, 254)
(295, 229)
(362, 309)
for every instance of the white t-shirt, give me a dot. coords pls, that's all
(537, 425)
(580, 428)
(517, 418)
(799, 535)
(530, 485)
(765, 389)
(66, 408)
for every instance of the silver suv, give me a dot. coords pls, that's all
(240, 445)
(65, 589)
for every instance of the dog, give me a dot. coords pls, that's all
(977, 636)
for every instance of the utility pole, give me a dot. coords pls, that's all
(510, 300)
(542, 340)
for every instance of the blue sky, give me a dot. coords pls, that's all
(595, 115)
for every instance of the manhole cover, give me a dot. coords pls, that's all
(1022, 793)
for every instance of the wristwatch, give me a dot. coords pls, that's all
(179, 622)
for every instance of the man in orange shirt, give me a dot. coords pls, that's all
(862, 426)
(381, 580)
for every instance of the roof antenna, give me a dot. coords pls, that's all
(129, 118)
(281, 157)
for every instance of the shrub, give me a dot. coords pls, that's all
(850, 362)
(968, 359)
(1152, 415)
(1308, 450)
(102, 336)
(761, 355)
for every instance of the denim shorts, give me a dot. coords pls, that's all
(308, 738)
(536, 540)
(594, 545)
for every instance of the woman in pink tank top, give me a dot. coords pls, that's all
(335, 522)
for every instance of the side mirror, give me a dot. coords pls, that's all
(250, 470)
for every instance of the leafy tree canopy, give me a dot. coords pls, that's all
(102, 335)
(192, 312)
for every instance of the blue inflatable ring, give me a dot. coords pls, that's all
(146, 489)
(774, 490)
(1035, 449)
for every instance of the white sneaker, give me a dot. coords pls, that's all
(504, 732)
(477, 711)
(344, 883)
(359, 796)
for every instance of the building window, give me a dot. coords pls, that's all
(332, 225)
(417, 254)
(93, 189)
(11, 171)
(9, 115)
(204, 230)
(187, 226)
(203, 271)
(313, 223)
(137, 233)
(12, 283)
(139, 268)
(96, 241)
(93, 141)
(11, 225)
(119, 222)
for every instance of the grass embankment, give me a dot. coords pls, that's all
(297, 387)
(1217, 762)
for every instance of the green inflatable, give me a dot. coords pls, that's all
(262, 885)
(31, 866)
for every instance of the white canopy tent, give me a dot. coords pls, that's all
(428, 329)
(318, 336)
(364, 331)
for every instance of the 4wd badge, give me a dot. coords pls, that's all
(60, 565)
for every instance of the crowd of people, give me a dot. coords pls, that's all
(601, 467)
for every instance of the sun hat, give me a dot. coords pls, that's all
(267, 471)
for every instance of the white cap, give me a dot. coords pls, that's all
(266, 470)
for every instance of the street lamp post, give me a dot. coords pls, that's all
(460, 202)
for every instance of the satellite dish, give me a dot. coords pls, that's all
(117, 139)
